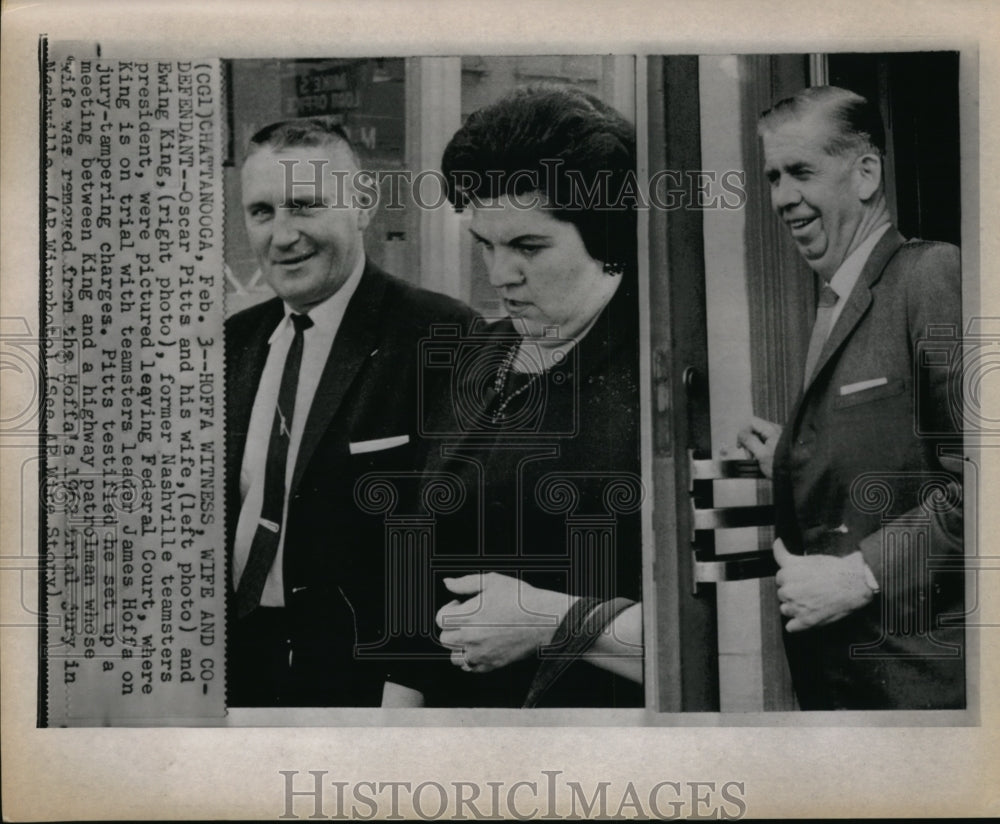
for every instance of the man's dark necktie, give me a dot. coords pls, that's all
(264, 548)
(821, 329)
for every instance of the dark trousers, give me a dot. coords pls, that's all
(298, 657)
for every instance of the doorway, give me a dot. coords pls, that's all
(731, 308)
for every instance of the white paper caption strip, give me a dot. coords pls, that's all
(132, 497)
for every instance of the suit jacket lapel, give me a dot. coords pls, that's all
(859, 300)
(249, 357)
(352, 346)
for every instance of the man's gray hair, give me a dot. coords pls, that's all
(856, 123)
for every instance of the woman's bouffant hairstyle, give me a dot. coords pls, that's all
(567, 145)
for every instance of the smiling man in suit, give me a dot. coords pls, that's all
(321, 389)
(867, 500)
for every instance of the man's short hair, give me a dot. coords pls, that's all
(302, 132)
(855, 121)
(562, 142)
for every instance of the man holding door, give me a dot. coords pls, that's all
(867, 500)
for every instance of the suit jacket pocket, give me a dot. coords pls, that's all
(378, 444)
(875, 393)
(383, 455)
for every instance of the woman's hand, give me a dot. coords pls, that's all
(504, 621)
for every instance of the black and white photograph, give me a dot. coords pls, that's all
(530, 427)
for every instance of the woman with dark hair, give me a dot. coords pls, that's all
(541, 548)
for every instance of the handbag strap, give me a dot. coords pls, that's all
(585, 620)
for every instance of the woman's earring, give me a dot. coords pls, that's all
(614, 268)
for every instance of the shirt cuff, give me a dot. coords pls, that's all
(870, 579)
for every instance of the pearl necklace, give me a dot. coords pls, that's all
(500, 383)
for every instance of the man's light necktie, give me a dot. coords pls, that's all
(821, 329)
(264, 548)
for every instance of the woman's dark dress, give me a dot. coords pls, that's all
(552, 494)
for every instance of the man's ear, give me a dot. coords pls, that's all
(868, 169)
(365, 198)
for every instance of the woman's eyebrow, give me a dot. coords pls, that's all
(530, 237)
